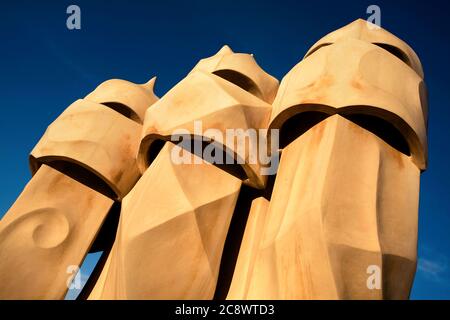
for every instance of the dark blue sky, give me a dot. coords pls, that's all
(44, 67)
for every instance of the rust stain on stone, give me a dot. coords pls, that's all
(317, 133)
(397, 156)
(356, 84)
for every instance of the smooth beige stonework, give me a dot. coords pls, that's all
(355, 77)
(169, 243)
(242, 70)
(96, 138)
(344, 207)
(130, 99)
(218, 103)
(90, 152)
(99, 135)
(365, 31)
(343, 201)
(242, 276)
(47, 232)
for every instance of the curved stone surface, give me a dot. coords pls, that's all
(171, 233)
(47, 232)
(217, 105)
(344, 203)
(94, 137)
(251, 241)
(130, 99)
(354, 77)
(363, 30)
(242, 70)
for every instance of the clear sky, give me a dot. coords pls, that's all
(44, 67)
